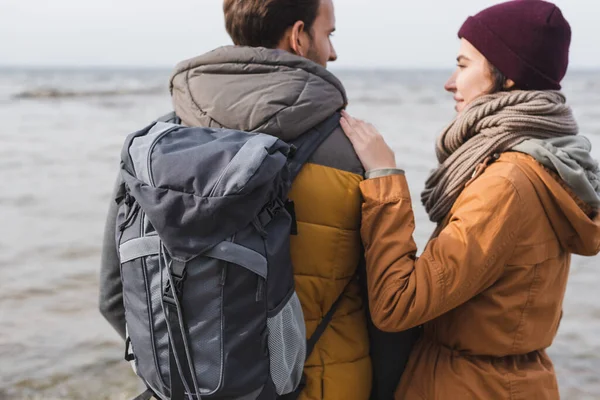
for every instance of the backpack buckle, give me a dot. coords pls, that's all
(269, 212)
(178, 275)
(292, 151)
(275, 207)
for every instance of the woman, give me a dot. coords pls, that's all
(515, 194)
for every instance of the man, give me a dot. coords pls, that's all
(274, 81)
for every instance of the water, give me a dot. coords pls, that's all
(60, 141)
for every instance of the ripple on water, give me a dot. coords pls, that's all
(21, 201)
(78, 253)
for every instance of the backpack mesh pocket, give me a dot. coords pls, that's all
(287, 346)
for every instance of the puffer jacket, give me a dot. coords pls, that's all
(489, 288)
(275, 92)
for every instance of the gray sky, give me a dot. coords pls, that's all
(373, 33)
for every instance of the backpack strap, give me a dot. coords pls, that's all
(147, 395)
(306, 144)
(170, 118)
(180, 373)
(312, 341)
(301, 149)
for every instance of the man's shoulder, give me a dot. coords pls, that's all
(337, 152)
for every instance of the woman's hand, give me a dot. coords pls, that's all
(372, 150)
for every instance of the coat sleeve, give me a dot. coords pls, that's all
(467, 257)
(389, 351)
(111, 288)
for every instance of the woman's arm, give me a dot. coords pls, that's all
(467, 257)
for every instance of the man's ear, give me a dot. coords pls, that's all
(299, 39)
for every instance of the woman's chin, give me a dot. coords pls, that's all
(459, 106)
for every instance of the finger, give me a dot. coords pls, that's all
(347, 128)
(353, 122)
(353, 125)
(372, 130)
(347, 115)
(361, 128)
(368, 130)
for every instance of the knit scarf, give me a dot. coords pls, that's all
(491, 125)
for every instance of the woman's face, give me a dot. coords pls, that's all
(472, 77)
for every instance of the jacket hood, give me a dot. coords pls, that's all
(255, 89)
(577, 231)
(571, 158)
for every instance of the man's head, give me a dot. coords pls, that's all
(302, 27)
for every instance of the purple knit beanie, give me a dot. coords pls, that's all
(527, 40)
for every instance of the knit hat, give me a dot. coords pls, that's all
(527, 40)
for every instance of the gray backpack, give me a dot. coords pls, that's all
(203, 232)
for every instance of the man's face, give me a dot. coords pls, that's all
(321, 50)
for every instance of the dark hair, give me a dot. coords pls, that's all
(262, 23)
(498, 80)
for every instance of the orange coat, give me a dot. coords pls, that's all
(488, 290)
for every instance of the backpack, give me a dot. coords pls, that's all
(203, 233)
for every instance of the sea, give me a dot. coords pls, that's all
(61, 132)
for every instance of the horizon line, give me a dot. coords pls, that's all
(165, 68)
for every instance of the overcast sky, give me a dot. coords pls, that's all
(371, 33)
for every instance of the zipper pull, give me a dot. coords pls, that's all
(223, 275)
(260, 289)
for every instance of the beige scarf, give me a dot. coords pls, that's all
(492, 124)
